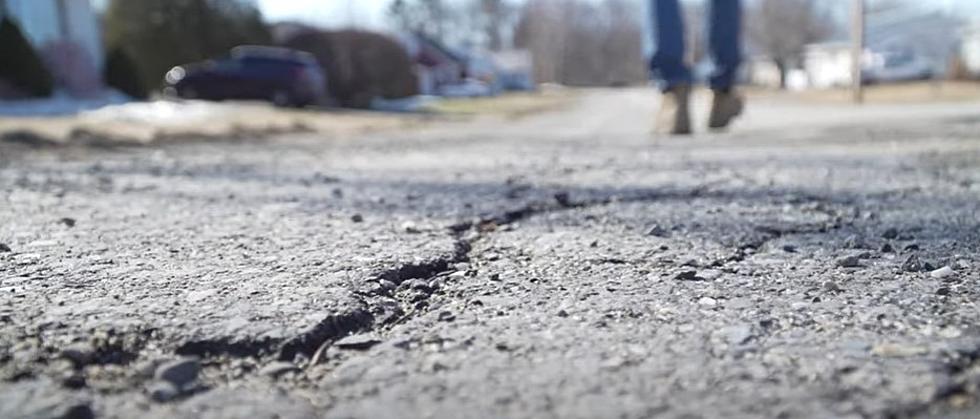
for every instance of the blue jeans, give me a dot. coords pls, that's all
(724, 39)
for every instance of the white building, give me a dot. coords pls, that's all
(760, 70)
(515, 69)
(47, 21)
(828, 64)
(900, 46)
(970, 49)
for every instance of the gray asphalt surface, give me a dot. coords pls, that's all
(815, 262)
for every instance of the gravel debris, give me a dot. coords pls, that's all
(708, 301)
(162, 391)
(357, 342)
(688, 276)
(943, 272)
(79, 354)
(852, 261)
(180, 372)
(658, 231)
(278, 368)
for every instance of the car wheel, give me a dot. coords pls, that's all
(281, 98)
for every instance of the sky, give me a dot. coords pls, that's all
(364, 13)
(371, 13)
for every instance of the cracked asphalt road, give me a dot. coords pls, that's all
(816, 262)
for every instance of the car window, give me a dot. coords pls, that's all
(227, 66)
(313, 68)
(267, 67)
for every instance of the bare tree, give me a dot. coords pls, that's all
(783, 28)
(882, 6)
(432, 18)
(623, 44)
(493, 16)
(581, 42)
(540, 29)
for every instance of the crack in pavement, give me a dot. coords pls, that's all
(491, 296)
(374, 312)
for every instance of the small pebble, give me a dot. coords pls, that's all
(912, 264)
(943, 272)
(411, 228)
(688, 276)
(180, 372)
(357, 342)
(890, 234)
(708, 301)
(849, 262)
(563, 199)
(855, 242)
(658, 231)
(832, 286)
(68, 222)
(357, 218)
(277, 369)
(80, 354)
(76, 380)
(446, 316)
(162, 391)
(5, 249)
(387, 285)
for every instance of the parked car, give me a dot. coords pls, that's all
(282, 76)
(896, 66)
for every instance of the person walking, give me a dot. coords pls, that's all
(668, 64)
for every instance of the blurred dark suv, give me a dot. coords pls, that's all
(282, 76)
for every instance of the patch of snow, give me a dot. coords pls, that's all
(60, 103)
(159, 112)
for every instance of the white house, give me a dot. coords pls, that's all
(760, 70)
(970, 49)
(828, 64)
(515, 69)
(900, 45)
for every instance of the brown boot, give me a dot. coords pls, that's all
(725, 107)
(674, 117)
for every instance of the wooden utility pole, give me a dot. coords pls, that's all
(857, 51)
